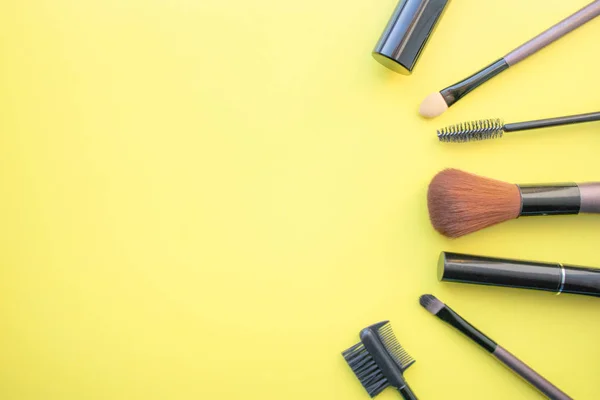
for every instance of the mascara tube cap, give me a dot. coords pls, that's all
(407, 32)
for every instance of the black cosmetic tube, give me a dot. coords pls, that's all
(551, 277)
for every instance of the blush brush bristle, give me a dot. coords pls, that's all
(461, 203)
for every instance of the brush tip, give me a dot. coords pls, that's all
(431, 303)
(433, 105)
(460, 203)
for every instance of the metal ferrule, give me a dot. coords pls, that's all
(550, 199)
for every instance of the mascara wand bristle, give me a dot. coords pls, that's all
(472, 131)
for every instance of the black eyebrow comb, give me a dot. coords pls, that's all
(379, 361)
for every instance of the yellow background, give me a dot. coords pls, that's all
(209, 199)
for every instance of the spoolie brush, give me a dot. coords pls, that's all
(379, 361)
(461, 203)
(495, 128)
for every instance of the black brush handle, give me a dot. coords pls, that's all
(451, 317)
(549, 122)
(550, 199)
(453, 93)
(407, 393)
(524, 371)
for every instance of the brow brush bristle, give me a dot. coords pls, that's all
(366, 370)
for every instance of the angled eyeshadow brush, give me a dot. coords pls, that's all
(446, 314)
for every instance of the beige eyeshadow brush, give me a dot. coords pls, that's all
(437, 103)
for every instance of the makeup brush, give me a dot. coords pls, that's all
(379, 361)
(436, 103)
(495, 128)
(460, 202)
(445, 313)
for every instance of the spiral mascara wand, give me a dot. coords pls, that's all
(495, 128)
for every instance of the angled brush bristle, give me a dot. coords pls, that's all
(460, 202)
(472, 131)
(394, 348)
(431, 303)
(366, 370)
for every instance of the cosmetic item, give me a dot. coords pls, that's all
(445, 313)
(461, 203)
(436, 103)
(407, 33)
(551, 277)
(495, 128)
(379, 361)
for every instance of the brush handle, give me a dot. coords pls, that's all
(453, 93)
(554, 33)
(560, 199)
(519, 367)
(407, 393)
(458, 322)
(451, 317)
(549, 122)
(590, 197)
(549, 199)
